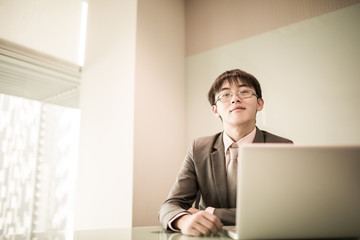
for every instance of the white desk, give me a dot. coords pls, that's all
(138, 233)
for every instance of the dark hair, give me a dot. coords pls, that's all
(234, 77)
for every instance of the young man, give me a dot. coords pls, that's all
(203, 179)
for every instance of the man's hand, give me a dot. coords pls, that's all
(200, 223)
(193, 210)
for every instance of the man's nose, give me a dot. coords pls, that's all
(235, 98)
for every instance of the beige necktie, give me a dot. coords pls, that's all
(231, 175)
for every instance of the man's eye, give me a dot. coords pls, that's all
(244, 91)
(225, 95)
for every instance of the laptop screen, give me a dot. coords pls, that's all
(287, 191)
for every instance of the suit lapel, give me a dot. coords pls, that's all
(259, 136)
(219, 170)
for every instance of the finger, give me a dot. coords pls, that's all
(201, 228)
(196, 229)
(193, 210)
(208, 223)
(211, 226)
(201, 223)
(214, 220)
(192, 225)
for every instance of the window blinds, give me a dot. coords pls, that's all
(33, 75)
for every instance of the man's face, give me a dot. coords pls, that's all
(236, 111)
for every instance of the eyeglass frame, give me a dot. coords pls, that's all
(237, 94)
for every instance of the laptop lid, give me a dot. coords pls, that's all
(287, 191)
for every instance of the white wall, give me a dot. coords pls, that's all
(309, 74)
(50, 27)
(105, 180)
(159, 131)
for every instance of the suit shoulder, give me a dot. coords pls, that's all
(207, 141)
(272, 138)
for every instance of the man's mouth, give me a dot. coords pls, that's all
(237, 109)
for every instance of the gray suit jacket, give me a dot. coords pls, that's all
(202, 179)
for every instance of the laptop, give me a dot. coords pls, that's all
(297, 192)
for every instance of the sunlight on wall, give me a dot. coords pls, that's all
(82, 43)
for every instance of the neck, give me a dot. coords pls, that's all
(238, 132)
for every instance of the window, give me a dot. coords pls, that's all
(39, 131)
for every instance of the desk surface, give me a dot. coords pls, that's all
(135, 233)
(138, 233)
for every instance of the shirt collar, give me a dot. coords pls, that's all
(245, 140)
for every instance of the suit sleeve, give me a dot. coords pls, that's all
(183, 192)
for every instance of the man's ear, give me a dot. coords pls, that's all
(260, 104)
(215, 110)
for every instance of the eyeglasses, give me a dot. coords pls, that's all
(227, 96)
